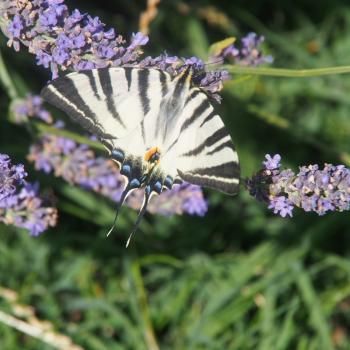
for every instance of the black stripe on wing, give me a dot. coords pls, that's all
(104, 75)
(197, 113)
(194, 93)
(208, 142)
(92, 82)
(224, 177)
(163, 83)
(181, 81)
(208, 118)
(143, 132)
(228, 170)
(63, 94)
(227, 144)
(143, 82)
(128, 72)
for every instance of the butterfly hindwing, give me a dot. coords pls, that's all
(202, 151)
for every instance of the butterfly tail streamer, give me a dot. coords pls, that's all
(119, 205)
(142, 212)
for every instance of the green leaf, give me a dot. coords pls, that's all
(216, 48)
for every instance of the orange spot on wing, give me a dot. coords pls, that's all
(151, 152)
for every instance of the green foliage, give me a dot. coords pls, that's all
(239, 278)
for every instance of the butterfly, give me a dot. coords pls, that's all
(160, 130)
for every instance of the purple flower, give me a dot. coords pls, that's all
(195, 62)
(195, 204)
(138, 39)
(184, 198)
(78, 164)
(163, 62)
(48, 18)
(11, 176)
(105, 51)
(213, 81)
(110, 34)
(30, 107)
(19, 201)
(272, 163)
(79, 41)
(15, 27)
(312, 189)
(282, 206)
(43, 58)
(94, 25)
(249, 53)
(84, 65)
(60, 55)
(210, 81)
(61, 40)
(231, 51)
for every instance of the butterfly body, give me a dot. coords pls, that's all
(158, 129)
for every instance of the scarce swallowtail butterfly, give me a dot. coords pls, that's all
(158, 129)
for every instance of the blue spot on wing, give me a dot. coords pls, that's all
(126, 170)
(135, 183)
(118, 155)
(168, 182)
(157, 187)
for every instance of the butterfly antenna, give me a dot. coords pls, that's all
(120, 203)
(219, 60)
(141, 214)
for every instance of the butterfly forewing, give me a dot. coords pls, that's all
(109, 102)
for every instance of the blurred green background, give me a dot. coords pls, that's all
(239, 278)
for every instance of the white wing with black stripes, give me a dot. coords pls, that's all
(109, 102)
(201, 150)
(160, 130)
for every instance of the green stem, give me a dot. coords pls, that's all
(6, 80)
(313, 305)
(287, 73)
(282, 123)
(150, 337)
(48, 129)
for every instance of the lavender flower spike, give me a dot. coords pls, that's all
(19, 201)
(10, 176)
(30, 107)
(272, 163)
(61, 40)
(78, 164)
(248, 53)
(312, 189)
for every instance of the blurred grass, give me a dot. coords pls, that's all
(239, 278)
